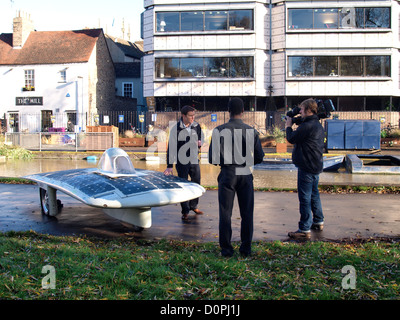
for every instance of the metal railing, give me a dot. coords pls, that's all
(62, 141)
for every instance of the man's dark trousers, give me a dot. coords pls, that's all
(229, 183)
(185, 171)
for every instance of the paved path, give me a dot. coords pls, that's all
(276, 213)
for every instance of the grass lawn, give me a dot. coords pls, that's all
(92, 268)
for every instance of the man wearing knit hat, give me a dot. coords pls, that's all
(236, 147)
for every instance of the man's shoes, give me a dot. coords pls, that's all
(299, 234)
(226, 253)
(185, 217)
(318, 226)
(197, 211)
(245, 254)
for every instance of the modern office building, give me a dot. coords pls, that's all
(271, 53)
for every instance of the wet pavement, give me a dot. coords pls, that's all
(276, 213)
(347, 216)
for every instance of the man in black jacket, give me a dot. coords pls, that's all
(236, 147)
(183, 150)
(308, 140)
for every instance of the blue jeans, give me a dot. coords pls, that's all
(310, 203)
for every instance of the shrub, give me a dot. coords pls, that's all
(15, 152)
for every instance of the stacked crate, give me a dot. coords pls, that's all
(101, 141)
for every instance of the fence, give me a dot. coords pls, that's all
(71, 121)
(140, 120)
(82, 140)
(58, 141)
(208, 120)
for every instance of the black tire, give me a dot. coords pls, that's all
(44, 202)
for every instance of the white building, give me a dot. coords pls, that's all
(272, 53)
(48, 78)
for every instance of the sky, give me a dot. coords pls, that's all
(57, 15)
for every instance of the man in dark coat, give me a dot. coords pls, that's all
(183, 150)
(308, 140)
(236, 147)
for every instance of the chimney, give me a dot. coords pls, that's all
(22, 27)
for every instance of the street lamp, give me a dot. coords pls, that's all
(79, 114)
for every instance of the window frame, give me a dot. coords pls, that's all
(163, 29)
(195, 13)
(359, 13)
(339, 74)
(227, 74)
(29, 80)
(124, 91)
(62, 76)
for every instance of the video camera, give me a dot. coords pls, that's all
(325, 107)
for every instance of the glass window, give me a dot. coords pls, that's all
(373, 17)
(300, 18)
(300, 66)
(241, 67)
(46, 120)
(192, 21)
(167, 21)
(332, 18)
(204, 20)
(241, 20)
(29, 80)
(167, 68)
(216, 20)
(378, 66)
(237, 67)
(360, 23)
(346, 66)
(192, 67)
(326, 66)
(217, 67)
(377, 17)
(128, 89)
(63, 76)
(71, 122)
(13, 120)
(326, 18)
(351, 66)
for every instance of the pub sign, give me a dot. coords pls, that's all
(29, 101)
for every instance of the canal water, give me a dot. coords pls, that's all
(209, 173)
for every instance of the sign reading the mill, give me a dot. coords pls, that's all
(29, 101)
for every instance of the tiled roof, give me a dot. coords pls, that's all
(130, 49)
(50, 47)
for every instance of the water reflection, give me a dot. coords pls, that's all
(262, 178)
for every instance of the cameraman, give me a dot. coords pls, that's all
(308, 140)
